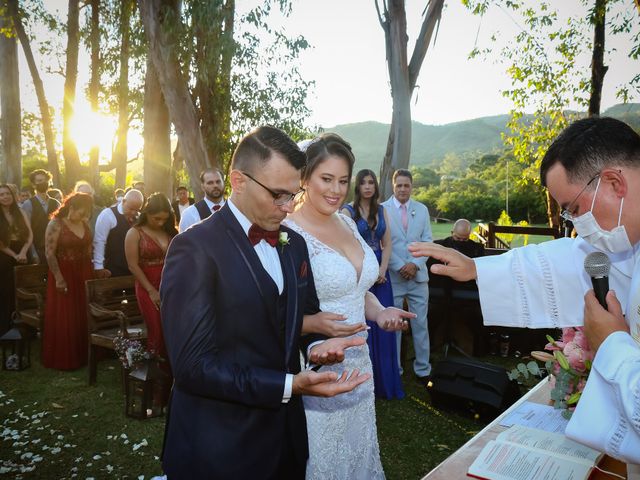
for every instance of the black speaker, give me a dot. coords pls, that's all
(472, 387)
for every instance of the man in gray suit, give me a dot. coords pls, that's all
(409, 222)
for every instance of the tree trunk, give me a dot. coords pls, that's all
(157, 140)
(45, 114)
(403, 76)
(94, 86)
(69, 149)
(598, 68)
(10, 126)
(120, 153)
(174, 85)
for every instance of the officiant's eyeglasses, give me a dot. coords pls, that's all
(569, 212)
(279, 198)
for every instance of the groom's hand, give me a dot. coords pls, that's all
(326, 384)
(332, 350)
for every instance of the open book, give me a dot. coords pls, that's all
(522, 453)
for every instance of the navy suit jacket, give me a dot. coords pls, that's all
(229, 352)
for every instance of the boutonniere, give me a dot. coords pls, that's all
(413, 213)
(283, 239)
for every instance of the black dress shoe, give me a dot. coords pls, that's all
(424, 381)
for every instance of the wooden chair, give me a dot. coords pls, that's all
(112, 311)
(31, 294)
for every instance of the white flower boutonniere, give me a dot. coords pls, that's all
(413, 213)
(283, 240)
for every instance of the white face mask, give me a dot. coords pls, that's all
(614, 241)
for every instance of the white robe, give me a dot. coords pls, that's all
(547, 290)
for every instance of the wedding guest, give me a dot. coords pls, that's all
(82, 186)
(15, 240)
(212, 183)
(409, 222)
(24, 195)
(145, 248)
(56, 194)
(38, 209)
(460, 240)
(68, 247)
(139, 185)
(112, 225)
(182, 202)
(372, 220)
(118, 195)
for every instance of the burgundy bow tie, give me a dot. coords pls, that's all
(257, 233)
(215, 208)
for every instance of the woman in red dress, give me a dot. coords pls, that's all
(68, 249)
(145, 247)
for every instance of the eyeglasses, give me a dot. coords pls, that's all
(567, 213)
(279, 198)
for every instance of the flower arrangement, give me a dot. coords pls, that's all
(569, 363)
(130, 351)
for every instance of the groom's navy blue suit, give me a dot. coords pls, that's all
(231, 339)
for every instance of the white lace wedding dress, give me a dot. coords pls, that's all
(343, 440)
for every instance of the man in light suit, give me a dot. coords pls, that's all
(409, 222)
(234, 290)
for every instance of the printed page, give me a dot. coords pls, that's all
(506, 461)
(552, 443)
(537, 415)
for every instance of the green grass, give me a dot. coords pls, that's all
(56, 426)
(443, 230)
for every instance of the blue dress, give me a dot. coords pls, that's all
(382, 344)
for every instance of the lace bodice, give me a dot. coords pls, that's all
(343, 440)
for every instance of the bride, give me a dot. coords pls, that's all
(343, 441)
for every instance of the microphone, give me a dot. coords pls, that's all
(597, 265)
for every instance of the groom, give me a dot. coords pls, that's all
(234, 290)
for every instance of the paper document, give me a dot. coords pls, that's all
(536, 415)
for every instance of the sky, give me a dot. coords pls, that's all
(347, 62)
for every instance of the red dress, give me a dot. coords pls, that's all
(64, 341)
(151, 260)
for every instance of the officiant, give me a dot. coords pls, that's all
(593, 171)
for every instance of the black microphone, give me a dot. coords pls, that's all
(597, 265)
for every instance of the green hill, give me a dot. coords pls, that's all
(431, 143)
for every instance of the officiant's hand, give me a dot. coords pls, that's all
(393, 319)
(326, 384)
(600, 323)
(331, 325)
(332, 350)
(456, 265)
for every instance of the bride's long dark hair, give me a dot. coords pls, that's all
(373, 201)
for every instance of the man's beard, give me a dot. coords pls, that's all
(42, 188)
(215, 196)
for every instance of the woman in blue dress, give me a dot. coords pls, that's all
(372, 220)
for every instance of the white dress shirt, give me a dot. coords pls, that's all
(104, 223)
(270, 260)
(191, 216)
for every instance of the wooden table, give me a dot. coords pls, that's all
(456, 465)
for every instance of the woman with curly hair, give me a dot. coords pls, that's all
(145, 247)
(15, 240)
(68, 250)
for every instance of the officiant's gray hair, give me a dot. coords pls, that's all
(255, 149)
(324, 146)
(588, 146)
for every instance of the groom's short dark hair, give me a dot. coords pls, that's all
(255, 149)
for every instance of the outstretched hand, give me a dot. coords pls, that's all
(600, 323)
(326, 384)
(456, 265)
(331, 325)
(393, 319)
(332, 350)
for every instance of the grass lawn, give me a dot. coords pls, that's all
(56, 426)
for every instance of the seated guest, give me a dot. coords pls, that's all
(212, 183)
(145, 247)
(24, 195)
(109, 259)
(459, 240)
(181, 203)
(68, 249)
(83, 186)
(15, 240)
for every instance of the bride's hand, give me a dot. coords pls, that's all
(326, 384)
(392, 319)
(332, 350)
(331, 325)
